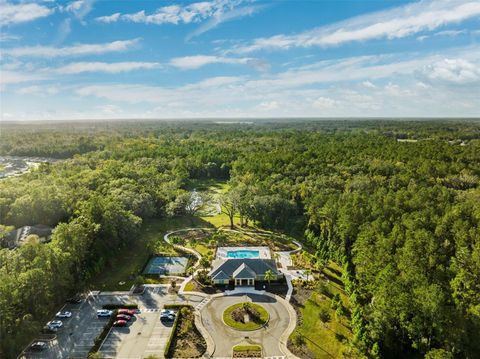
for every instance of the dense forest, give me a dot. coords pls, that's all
(396, 203)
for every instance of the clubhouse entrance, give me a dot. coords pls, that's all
(244, 281)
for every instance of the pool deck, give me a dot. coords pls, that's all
(264, 252)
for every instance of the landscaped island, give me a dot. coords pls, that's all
(245, 316)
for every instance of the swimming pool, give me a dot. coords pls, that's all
(243, 253)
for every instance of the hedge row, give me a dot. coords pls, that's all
(99, 339)
(172, 333)
(177, 306)
(120, 306)
(175, 323)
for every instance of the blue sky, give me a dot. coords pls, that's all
(89, 59)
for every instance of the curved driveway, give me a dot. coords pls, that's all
(269, 337)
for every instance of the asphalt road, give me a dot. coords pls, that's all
(225, 337)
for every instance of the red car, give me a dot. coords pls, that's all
(130, 312)
(123, 317)
(120, 323)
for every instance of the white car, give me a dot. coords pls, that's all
(55, 324)
(167, 312)
(167, 315)
(64, 314)
(104, 313)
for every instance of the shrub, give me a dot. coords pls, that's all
(324, 315)
(323, 289)
(177, 240)
(298, 339)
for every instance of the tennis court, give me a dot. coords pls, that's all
(166, 265)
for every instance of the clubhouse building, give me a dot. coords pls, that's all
(232, 270)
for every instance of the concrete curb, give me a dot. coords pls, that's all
(206, 335)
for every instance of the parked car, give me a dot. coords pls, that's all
(123, 317)
(64, 314)
(49, 330)
(120, 323)
(104, 313)
(55, 324)
(75, 300)
(167, 315)
(130, 312)
(167, 311)
(38, 346)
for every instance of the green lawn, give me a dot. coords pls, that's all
(124, 267)
(325, 340)
(189, 287)
(227, 317)
(221, 220)
(212, 185)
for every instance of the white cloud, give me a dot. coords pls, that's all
(446, 33)
(368, 84)
(116, 67)
(451, 33)
(42, 91)
(324, 103)
(80, 8)
(109, 18)
(23, 12)
(390, 24)
(172, 14)
(136, 93)
(268, 106)
(457, 71)
(15, 77)
(74, 50)
(224, 16)
(215, 11)
(4, 37)
(197, 61)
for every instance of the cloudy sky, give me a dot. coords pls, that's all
(89, 59)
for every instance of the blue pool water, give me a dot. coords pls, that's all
(243, 253)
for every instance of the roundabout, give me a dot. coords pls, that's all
(245, 316)
(271, 335)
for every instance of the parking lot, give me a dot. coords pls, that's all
(146, 335)
(76, 336)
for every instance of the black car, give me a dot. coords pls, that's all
(74, 300)
(38, 346)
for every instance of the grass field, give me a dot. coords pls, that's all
(121, 271)
(329, 339)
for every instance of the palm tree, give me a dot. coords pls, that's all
(204, 263)
(268, 276)
(308, 272)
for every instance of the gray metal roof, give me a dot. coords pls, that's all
(220, 275)
(247, 266)
(244, 271)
